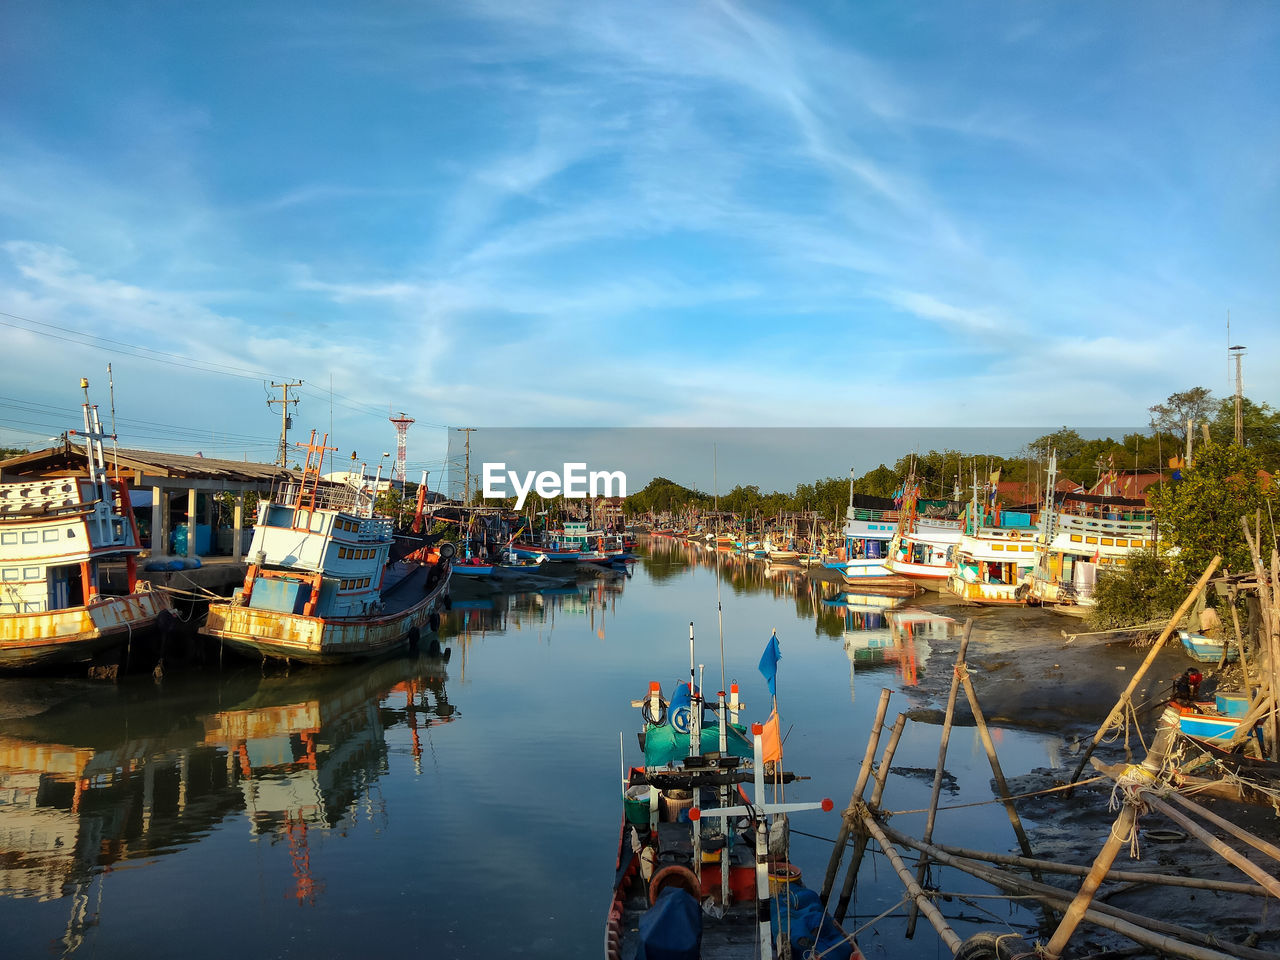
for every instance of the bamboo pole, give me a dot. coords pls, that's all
(1245, 865)
(1260, 705)
(1235, 623)
(1146, 664)
(1191, 944)
(996, 771)
(918, 897)
(860, 844)
(923, 866)
(1120, 833)
(864, 773)
(1239, 832)
(1113, 876)
(1268, 588)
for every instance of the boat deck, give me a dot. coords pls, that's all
(404, 586)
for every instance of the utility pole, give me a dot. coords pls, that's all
(286, 421)
(1238, 353)
(466, 470)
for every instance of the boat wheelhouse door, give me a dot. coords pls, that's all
(66, 588)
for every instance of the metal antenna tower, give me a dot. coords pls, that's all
(402, 423)
(1238, 353)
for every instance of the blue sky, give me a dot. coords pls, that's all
(659, 214)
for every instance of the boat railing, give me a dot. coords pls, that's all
(1104, 525)
(328, 496)
(865, 513)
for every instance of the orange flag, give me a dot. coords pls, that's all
(772, 739)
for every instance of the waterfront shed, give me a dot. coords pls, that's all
(162, 475)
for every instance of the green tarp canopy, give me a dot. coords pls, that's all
(662, 745)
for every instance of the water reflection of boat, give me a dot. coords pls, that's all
(876, 637)
(122, 775)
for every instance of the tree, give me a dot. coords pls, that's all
(1261, 428)
(1199, 517)
(1172, 415)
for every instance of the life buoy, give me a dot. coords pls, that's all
(677, 875)
(1014, 535)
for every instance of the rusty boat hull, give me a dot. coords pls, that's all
(330, 640)
(77, 634)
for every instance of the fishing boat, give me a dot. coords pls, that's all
(56, 535)
(1084, 535)
(702, 868)
(869, 526)
(1212, 721)
(472, 567)
(996, 551)
(327, 582)
(922, 546)
(1207, 649)
(524, 550)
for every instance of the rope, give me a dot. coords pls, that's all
(983, 803)
(1128, 790)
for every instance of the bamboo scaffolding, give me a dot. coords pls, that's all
(1167, 937)
(855, 798)
(1268, 591)
(1112, 876)
(860, 844)
(923, 866)
(1238, 832)
(1146, 664)
(1246, 866)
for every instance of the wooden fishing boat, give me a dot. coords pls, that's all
(472, 567)
(532, 551)
(328, 583)
(695, 873)
(55, 535)
(1213, 721)
(997, 550)
(1207, 649)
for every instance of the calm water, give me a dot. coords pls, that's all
(459, 809)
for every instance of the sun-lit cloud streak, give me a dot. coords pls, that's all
(666, 213)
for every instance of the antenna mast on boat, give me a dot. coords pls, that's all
(115, 449)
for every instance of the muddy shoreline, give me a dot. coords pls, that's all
(1028, 676)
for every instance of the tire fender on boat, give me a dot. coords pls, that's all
(1022, 591)
(678, 875)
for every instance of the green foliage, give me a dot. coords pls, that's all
(1171, 416)
(225, 503)
(7, 452)
(1261, 428)
(450, 531)
(1200, 516)
(1137, 592)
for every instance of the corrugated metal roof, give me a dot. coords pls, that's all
(152, 463)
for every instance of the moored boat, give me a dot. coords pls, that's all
(997, 549)
(701, 869)
(55, 535)
(1207, 649)
(323, 585)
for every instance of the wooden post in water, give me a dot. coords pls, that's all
(923, 864)
(864, 773)
(1146, 664)
(860, 845)
(1122, 830)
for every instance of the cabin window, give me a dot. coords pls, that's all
(364, 582)
(8, 538)
(10, 574)
(70, 532)
(30, 573)
(30, 536)
(997, 546)
(1090, 539)
(51, 535)
(1108, 542)
(1075, 538)
(342, 553)
(1027, 548)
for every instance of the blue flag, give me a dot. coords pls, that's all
(769, 664)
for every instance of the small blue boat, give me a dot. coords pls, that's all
(1206, 649)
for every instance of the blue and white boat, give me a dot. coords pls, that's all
(1207, 649)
